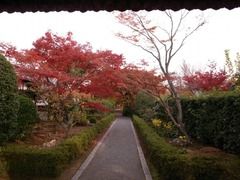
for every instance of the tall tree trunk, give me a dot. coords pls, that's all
(179, 116)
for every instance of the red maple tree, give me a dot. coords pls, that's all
(57, 66)
(61, 64)
(201, 81)
(135, 79)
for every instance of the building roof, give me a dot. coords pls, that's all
(110, 5)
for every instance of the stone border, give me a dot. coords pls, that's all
(141, 156)
(91, 155)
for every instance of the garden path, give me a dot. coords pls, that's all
(118, 156)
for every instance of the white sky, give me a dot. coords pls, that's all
(221, 32)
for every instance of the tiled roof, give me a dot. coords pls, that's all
(110, 5)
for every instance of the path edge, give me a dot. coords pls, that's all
(92, 154)
(143, 161)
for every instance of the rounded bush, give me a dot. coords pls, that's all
(144, 106)
(27, 115)
(8, 101)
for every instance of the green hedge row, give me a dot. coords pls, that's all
(212, 119)
(173, 163)
(34, 162)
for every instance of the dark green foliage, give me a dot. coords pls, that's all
(27, 115)
(93, 118)
(160, 112)
(127, 110)
(35, 162)
(29, 93)
(8, 101)
(213, 119)
(173, 163)
(29, 161)
(144, 106)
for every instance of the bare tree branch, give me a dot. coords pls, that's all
(163, 56)
(186, 37)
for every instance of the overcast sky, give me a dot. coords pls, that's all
(222, 31)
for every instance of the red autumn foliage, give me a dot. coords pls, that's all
(135, 79)
(107, 74)
(95, 105)
(60, 64)
(207, 81)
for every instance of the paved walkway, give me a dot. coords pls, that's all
(117, 157)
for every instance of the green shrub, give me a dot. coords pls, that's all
(165, 129)
(173, 163)
(27, 161)
(35, 162)
(80, 117)
(144, 106)
(27, 115)
(29, 93)
(83, 121)
(93, 116)
(109, 103)
(8, 101)
(127, 110)
(212, 119)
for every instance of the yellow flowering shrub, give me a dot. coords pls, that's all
(160, 123)
(182, 137)
(156, 122)
(168, 125)
(165, 128)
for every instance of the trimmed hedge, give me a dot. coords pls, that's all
(173, 163)
(34, 162)
(212, 119)
(8, 101)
